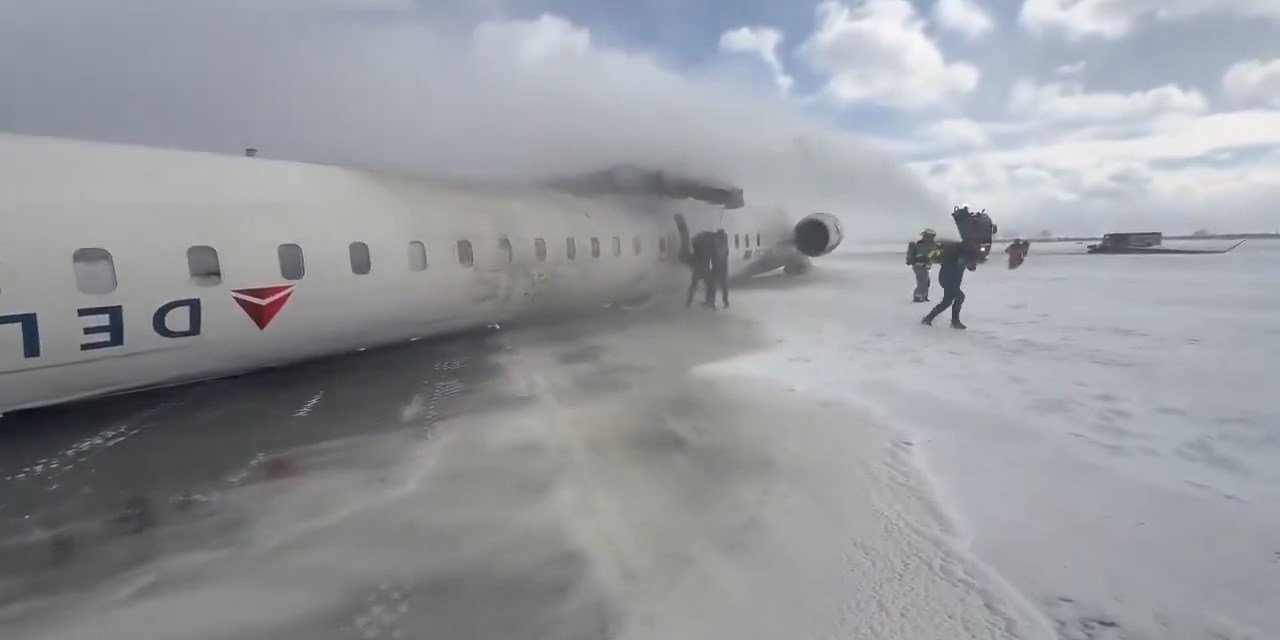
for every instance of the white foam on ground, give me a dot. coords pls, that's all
(1104, 433)
(827, 533)
(620, 499)
(1094, 459)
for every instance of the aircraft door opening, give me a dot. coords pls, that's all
(684, 253)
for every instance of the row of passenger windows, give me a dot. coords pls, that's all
(96, 274)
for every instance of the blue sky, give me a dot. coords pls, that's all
(1069, 114)
(686, 33)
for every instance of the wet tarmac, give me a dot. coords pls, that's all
(426, 490)
(82, 476)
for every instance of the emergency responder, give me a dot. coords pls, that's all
(1017, 251)
(703, 246)
(1014, 254)
(956, 257)
(918, 258)
(720, 269)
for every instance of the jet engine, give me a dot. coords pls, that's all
(818, 234)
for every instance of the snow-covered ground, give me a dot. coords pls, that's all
(1104, 436)
(1095, 458)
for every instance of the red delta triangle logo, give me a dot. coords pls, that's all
(262, 304)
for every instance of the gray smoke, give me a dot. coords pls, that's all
(450, 87)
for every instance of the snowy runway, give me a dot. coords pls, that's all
(1103, 434)
(1095, 458)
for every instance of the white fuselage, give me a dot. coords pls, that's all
(75, 323)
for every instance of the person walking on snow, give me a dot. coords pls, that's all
(919, 256)
(1017, 251)
(956, 257)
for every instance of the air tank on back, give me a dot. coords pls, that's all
(818, 234)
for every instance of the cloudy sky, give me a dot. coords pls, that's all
(1077, 116)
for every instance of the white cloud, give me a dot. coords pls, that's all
(762, 42)
(1069, 102)
(954, 133)
(547, 39)
(1177, 139)
(1115, 196)
(963, 16)
(1254, 81)
(1112, 19)
(877, 51)
(1182, 174)
(1073, 69)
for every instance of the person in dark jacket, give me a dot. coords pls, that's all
(956, 257)
(918, 258)
(702, 247)
(720, 269)
(1017, 251)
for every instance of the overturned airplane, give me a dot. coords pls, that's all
(126, 267)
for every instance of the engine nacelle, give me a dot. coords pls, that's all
(818, 234)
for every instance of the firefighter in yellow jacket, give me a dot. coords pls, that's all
(920, 253)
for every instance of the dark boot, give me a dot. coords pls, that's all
(956, 324)
(927, 321)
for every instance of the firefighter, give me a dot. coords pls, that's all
(919, 258)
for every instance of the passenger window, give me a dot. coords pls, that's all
(465, 256)
(635, 245)
(746, 240)
(571, 248)
(595, 247)
(417, 256)
(757, 240)
(95, 271)
(202, 265)
(504, 245)
(540, 249)
(291, 264)
(360, 261)
(662, 245)
(617, 246)
(736, 241)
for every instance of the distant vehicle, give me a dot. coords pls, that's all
(1132, 240)
(1146, 242)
